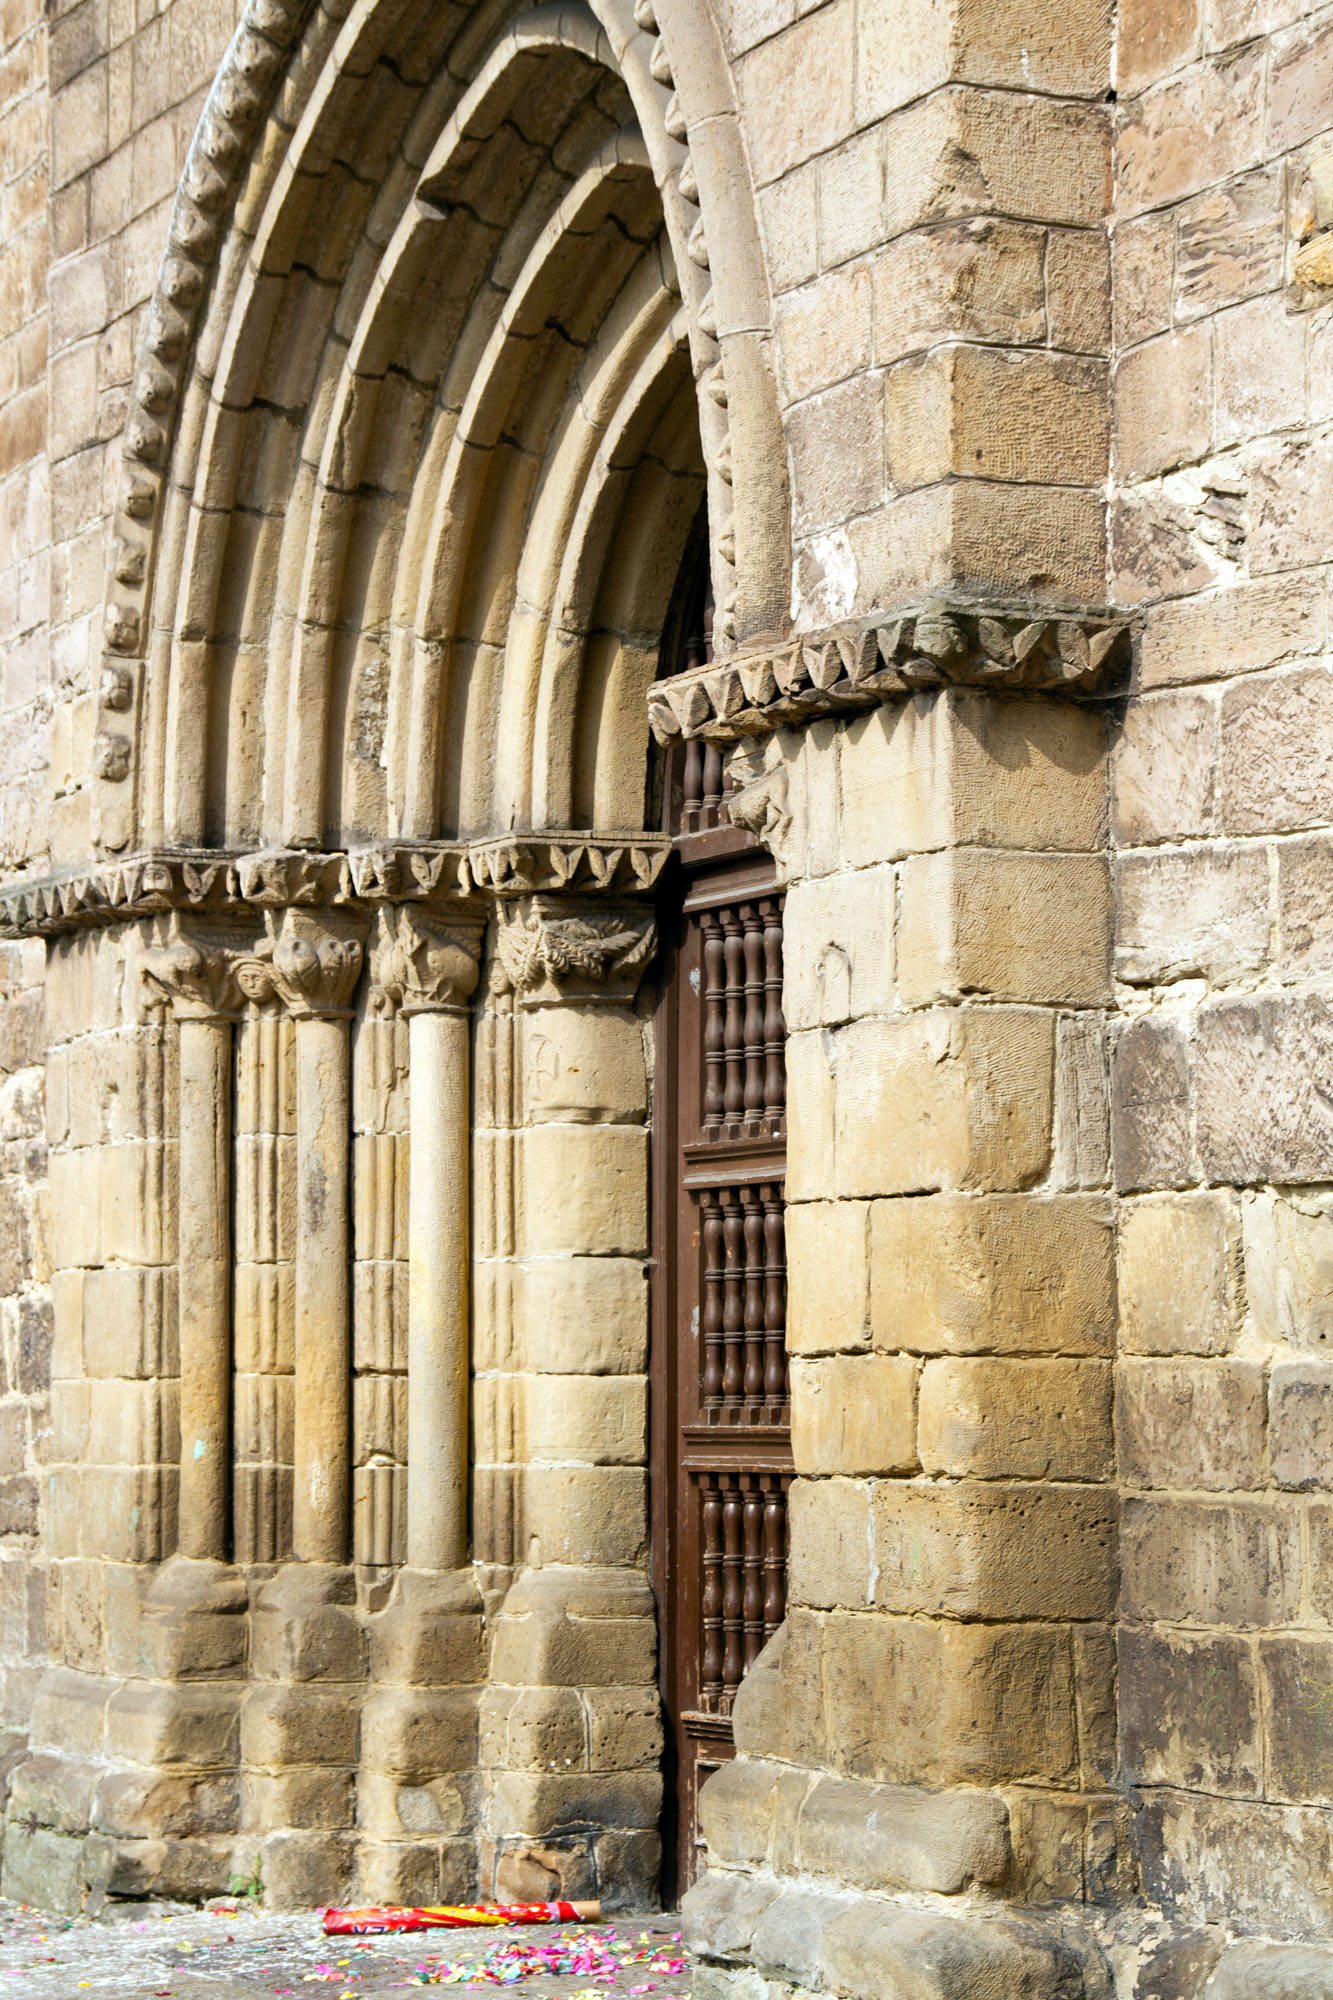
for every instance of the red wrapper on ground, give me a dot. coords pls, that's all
(461, 1917)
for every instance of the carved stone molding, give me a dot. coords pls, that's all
(195, 973)
(549, 950)
(858, 666)
(231, 129)
(219, 153)
(537, 863)
(307, 963)
(432, 874)
(424, 967)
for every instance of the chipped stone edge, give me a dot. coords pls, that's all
(418, 872)
(938, 643)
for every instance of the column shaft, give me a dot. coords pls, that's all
(438, 1253)
(321, 1499)
(205, 1286)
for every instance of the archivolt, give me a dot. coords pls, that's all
(403, 510)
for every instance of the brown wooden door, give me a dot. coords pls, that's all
(722, 1436)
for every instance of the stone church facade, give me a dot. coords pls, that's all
(667, 1163)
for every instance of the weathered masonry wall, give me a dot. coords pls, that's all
(1220, 787)
(360, 382)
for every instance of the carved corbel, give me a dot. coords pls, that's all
(425, 967)
(549, 950)
(308, 963)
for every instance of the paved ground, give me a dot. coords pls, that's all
(170, 1952)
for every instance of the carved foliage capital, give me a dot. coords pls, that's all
(306, 964)
(425, 967)
(548, 950)
(195, 974)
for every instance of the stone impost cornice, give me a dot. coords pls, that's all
(431, 874)
(856, 666)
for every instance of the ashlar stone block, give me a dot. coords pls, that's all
(428, 1808)
(984, 412)
(1232, 631)
(915, 1955)
(967, 769)
(582, 1189)
(720, 1911)
(1003, 1419)
(1276, 766)
(1163, 769)
(595, 1419)
(1296, 1672)
(1201, 913)
(854, 1414)
(1180, 1273)
(1001, 1707)
(965, 151)
(1289, 1269)
(1151, 1138)
(972, 1551)
(832, 1543)
(582, 1315)
(828, 1276)
(1014, 926)
(1305, 917)
(1008, 1274)
(538, 1729)
(1271, 1971)
(944, 1099)
(192, 1725)
(299, 1725)
(1210, 1562)
(1197, 1425)
(980, 279)
(876, 1836)
(417, 1733)
(1300, 1423)
(595, 1628)
(583, 1065)
(838, 948)
(586, 1514)
(1279, 1126)
(1199, 1852)
(1017, 44)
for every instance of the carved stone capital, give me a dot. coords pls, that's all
(548, 949)
(941, 644)
(194, 973)
(308, 964)
(423, 966)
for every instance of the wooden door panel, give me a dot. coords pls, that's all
(722, 1427)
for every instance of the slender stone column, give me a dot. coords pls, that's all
(197, 976)
(571, 1410)
(311, 966)
(432, 972)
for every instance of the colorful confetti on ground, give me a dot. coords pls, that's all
(230, 1952)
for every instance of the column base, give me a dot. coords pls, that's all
(418, 1789)
(130, 1787)
(571, 1737)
